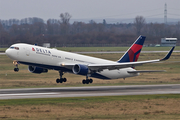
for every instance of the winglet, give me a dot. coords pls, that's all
(168, 54)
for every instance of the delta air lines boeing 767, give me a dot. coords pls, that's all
(41, 59)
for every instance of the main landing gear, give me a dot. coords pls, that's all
(16, 69)
(61, 80)
(87, 81)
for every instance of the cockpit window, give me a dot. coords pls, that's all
(17, 48)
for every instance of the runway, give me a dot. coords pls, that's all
(2, 53)
(59, 92)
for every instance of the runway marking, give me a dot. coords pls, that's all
(23, 94)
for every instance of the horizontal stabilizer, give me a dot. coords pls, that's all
(146, 71)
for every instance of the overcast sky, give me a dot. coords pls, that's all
(88, 9)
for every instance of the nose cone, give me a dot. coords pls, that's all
(7, 52)
(10, 53)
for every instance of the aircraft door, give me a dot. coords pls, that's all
(27, 51)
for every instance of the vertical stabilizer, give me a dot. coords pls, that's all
(133, 52)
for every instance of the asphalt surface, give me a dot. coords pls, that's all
(2, 53)
(89, 91)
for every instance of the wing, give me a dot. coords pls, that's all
(100, 67)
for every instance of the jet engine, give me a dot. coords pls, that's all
(37, 70)
(80, 69)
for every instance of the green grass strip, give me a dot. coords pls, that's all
(84, 100)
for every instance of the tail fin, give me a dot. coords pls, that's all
(133, 52)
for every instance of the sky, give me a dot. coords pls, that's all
(88, 9)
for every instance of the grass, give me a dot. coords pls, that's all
(86, 100)
(97, 108)
(2, 49)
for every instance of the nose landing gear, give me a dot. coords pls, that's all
(16, 69)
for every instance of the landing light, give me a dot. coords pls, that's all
(15, 62)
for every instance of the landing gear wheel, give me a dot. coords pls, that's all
(16, 69)
(61, 80)
(90, 81)
(84, 81)
(57, 80)
(64, 79)
(87, 81)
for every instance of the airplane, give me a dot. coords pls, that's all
(40, 60)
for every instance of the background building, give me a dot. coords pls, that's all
(168, 41)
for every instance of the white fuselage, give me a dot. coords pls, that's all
(54, 59)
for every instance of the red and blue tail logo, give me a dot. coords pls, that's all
(133, 52)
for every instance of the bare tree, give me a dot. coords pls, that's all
(139, 22)
(64, 22)
(65, 18)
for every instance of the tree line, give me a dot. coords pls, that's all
(62, 33)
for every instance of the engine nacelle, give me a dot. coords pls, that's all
(80, 69)
(37, 70)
